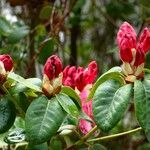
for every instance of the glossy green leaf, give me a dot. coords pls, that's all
(114, 73)
(68, 105)
(70, 92)
(43, 119)
(142, 104)
(7, 114)
(23, 81)
(110, 101)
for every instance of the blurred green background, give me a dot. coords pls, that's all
(78, 31)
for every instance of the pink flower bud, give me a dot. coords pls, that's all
(84, 125)
(7, 61)
(53, 67)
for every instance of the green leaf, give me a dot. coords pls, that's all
(23, 81)
(46, 51)
(45, 12)
(97, 147)
(7, 114)
(17, 34)
(67, 104)
(43, 119)
(42, 146)
(147, 74)
(110, 101)
(19, 87)
(15, 136)
(70, 92)
(142, 104)
(106, 76)
(5, 26)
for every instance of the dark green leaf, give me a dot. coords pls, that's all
(42, 120)
(70, 92)
(42, 146)
(113, 73)
(46, 51)
(67, 104)
(142, 104)
(109, 103)
(7, 114)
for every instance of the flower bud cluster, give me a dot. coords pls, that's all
(133, 50)
(6, 65)
(52, 79)
(79, 77)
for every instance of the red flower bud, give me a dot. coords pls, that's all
(7, 61)
(144, 40)
(53, 67)
(93, 71)
(69, 75)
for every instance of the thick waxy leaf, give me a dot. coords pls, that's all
(67, 104)
(110, 101)
(23, 81)
(43, 119)
(114, 73)
(7, 114)
(70, 92)
(142, 104)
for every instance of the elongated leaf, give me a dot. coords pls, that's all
(7, 114)
(42, 120)
(142, 104)
(70, 92)
(21, 80)
(108, 75)
(109, 103)
(19, 87)
(42, 146)
(67, 104)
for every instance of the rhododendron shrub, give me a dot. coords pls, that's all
(73, 105)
